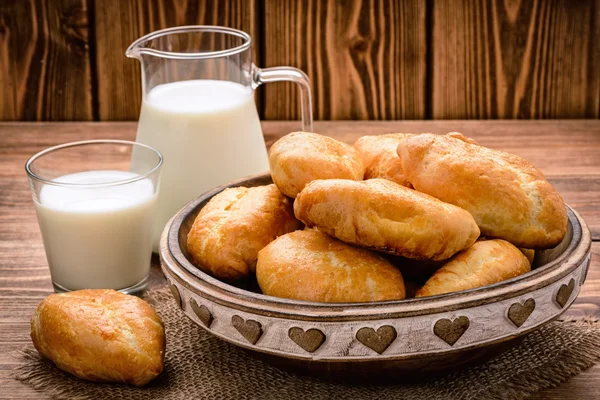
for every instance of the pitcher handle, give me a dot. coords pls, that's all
(290, 74)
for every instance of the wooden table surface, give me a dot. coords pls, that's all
(568, 152)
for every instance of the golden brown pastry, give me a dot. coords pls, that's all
(235, 224)
(460, 136)
(310, 265)
(507, 196)
(382, 215)
(100, 335)
(302, 157)
(380, 157)
(529, 253)
(484, 263)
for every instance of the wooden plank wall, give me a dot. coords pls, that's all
(516, 59)
(45, 72)
(120, 22)
(367, 59)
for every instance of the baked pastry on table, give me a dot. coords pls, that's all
(384, 216)
(100, 335)
(310, 265)
(508, 197)
(485, 263)
(234, 225)
(301, 157)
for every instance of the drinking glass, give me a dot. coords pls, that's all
(96, 211)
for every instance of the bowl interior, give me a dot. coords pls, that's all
(182, 223)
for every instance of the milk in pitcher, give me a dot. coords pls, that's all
(209, 134)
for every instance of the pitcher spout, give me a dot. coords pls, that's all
(135, 49)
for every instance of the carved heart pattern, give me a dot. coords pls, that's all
(379, 340)
(450, 331)
(518, 313)
(202, 313)
(176, 295)
(250, 329)
(564, 293)
(310, 340)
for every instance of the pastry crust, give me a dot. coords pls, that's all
(485, 263)
(382, 215)
(380, 158)
(529, 253)
(508, 197)
(310, 265)
(301, 157)
(100, 335)
(460, 136)
(230, 230)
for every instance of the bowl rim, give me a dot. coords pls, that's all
(222, 293)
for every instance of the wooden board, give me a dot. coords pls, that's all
(366, 59)
(515, 59)
(119, 23)
(44, 61)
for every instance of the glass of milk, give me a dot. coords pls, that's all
(198, 109)
(96, 212)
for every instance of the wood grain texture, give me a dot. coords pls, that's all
(391, 59)
(44, 61)
(515, 59)
(118, 23)
(567, 151)
(366, 59)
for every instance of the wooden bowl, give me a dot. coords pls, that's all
(410, 336)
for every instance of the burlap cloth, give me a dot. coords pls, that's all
(200, 366)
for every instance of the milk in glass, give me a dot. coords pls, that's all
(97, 237)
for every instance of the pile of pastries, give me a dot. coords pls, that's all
(394, 216)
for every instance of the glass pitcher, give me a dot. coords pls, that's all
(198, 110)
